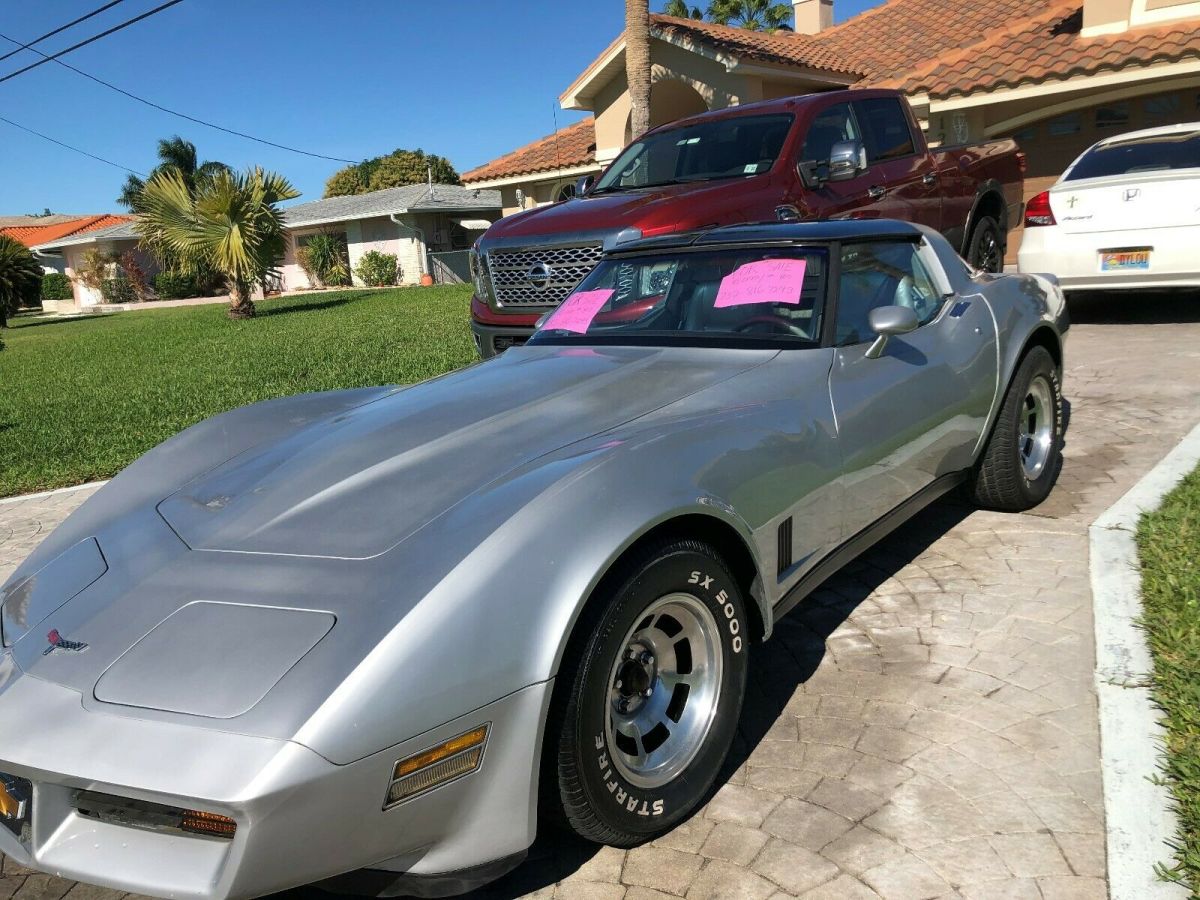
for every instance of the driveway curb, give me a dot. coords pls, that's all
(1138, 814)
(40, 494)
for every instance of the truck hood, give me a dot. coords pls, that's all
(353, 485)
(652, 211)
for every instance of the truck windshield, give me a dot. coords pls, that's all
(722, 148)
(733, 297)
(1152, 153)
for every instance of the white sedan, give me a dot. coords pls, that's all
(1125, 214)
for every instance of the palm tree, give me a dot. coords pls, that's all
(230, 221)
(681, 10)
(20, 277)
(174, 154)
(753, 15)
(637, 63)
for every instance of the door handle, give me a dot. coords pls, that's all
(875, 192)
(929, 178)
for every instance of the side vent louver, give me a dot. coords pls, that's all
(785, 545)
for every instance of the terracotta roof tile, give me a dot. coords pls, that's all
(574, 145)
(32, 235)
(1049, 46)
(783, 47)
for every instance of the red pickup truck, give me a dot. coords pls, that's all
(842, 154)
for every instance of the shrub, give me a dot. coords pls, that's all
(94, 270)
(377, 269)
(56, 286)
(174, 286)
(117, 290)
(135, 274)
(20, 278)
(325, 259)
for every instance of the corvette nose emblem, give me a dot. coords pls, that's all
(58, 642)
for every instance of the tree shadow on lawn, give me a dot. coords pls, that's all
(15, 325)
(777, 669)
(307, 306)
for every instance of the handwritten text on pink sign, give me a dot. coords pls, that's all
(577, 311)
(763, 281)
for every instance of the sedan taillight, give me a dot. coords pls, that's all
(1038, 211)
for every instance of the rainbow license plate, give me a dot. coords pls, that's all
(1125, 260)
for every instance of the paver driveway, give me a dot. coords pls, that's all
(925, 726)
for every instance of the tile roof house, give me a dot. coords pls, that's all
(1056, 76)
(34, 230)
(109, 234)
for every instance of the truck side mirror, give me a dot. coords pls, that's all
(847, 160)
(584, 184)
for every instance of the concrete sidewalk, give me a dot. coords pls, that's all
(926, 725)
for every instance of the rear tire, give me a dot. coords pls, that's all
(1024, 453)
(650, 703)
(985, 249)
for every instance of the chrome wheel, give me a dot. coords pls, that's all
(1035, 433)
(663, 690)
(988, 253)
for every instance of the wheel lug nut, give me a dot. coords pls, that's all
(618, 684)
(647, 692)
(647, 658)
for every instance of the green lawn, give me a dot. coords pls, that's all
(82, 398)
(1169, 545)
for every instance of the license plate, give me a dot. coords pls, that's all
(16, 804)
(1124, 260)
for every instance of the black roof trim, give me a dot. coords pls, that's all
(779, 233)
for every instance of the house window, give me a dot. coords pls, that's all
(1112, 115)
(1166, 105)
(1071, 123)
(1026, 135)
(566, 192)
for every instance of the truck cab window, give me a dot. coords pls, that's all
(888, 135)
(828, 128)
(882, 273)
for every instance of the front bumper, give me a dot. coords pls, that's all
(495, 332)
(299, 817)
(1075, 258)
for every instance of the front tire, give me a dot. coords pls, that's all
(1024, 453)
(651, 704)
(985, 250)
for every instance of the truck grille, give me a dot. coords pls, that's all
(540, 277)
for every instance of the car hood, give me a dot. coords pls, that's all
(355, 484)
(676, 207)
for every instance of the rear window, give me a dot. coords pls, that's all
(1158, 153)
(886, 125)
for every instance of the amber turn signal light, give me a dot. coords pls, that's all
(207, 823)
(434, 767)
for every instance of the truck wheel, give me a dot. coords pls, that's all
(1024, 454)
(653, 697)
(985, 250)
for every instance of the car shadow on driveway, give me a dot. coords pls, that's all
(778, 668)
(1133, 308)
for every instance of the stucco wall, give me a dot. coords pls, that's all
(362, 235)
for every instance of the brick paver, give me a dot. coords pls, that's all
(925, 725)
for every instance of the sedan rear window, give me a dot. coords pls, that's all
(1156, 153)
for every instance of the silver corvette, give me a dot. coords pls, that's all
(381, 631)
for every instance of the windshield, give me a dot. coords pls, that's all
(1153, 153)
(721, 148)
(734, 297)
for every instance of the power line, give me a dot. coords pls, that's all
(61, 28)
(173, 112)
(45, 59)
(47, 137)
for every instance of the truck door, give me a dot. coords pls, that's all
(859, 198)
(911, 181)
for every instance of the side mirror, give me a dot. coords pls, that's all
(888, 320)
(846, 160)
(584, 184)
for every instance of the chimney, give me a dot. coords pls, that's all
(812, 15)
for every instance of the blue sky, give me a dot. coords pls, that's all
(468, 80)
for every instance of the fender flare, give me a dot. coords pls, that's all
(986, 189)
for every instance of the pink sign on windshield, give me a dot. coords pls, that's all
(577, 311)
(764, 281)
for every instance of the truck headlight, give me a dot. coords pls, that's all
(479, 275)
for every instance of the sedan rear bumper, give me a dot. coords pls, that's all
(299, 817)
(1075, 258)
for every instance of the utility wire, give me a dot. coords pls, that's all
(47, 137)
(61, 28)
(45, 59)
(158, 106)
